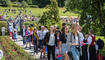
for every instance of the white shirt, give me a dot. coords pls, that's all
(41, 35)
(81, 38)
(46, 30)
(51, 40)
(10, 29)
(89, 40)
(76, 39)
(69, 42)
(23, 31)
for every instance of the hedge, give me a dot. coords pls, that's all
(3, 24)
(13, 51)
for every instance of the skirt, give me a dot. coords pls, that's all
(64, 48)
(28, 39)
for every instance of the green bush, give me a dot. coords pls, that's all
(24, 4)
(35, 24)
(3, 24)
(13, 51)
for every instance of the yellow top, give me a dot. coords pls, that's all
(31, 29)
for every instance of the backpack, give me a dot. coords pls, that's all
(100, 43)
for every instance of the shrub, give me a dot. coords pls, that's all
(35, 24)
(3, 24)
(52, 14)
(24, 4)
(13, 51)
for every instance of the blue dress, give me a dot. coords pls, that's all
(28, 37)
(14, 35)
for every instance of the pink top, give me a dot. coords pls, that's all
(27, 34)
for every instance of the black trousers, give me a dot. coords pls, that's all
(35, 48)
(51, 51)
(84, 55)
(92, 52)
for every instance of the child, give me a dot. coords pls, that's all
(14, 35)
(28, 35)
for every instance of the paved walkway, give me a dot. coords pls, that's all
(30, 51)
(19, 42)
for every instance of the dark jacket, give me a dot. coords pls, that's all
(47, 37)
(63, 38)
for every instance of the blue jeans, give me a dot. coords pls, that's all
(75, 53)
(24, 40)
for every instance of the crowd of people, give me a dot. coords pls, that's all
(68, 41)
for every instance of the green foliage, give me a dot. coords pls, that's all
(92, 14)
(8, 3)
(5, 3)
(61, 3)
(3, 58)
(3, 24)
(51, 16)
(35, 24)
(41, 3)
(29, 1)
(12, 51)
(24, 4)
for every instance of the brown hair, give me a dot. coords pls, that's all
(73, 28)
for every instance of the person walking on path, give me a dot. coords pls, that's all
(51, 42)
(74, 42)
(15, 35)
(35, 39)
(91, 47)
(24, 35)
(63, 42)
(28, 40)
(41, 35)
(10, 30)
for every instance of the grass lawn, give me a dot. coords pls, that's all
(103, 50)
(38, 11)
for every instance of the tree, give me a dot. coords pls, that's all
(29, 1)
(24, 4)
(42, 3)
(61, 3)
(92, 13)
(5, 3)
(52, 15)
(8, 3)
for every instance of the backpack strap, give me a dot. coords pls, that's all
(71, 37)
(78, 39)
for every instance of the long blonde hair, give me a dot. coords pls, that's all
(74, 28)
(53, 28)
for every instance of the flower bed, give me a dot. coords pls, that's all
(13, 51)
